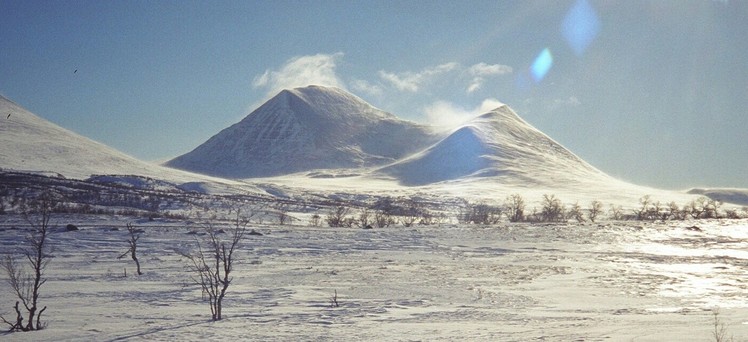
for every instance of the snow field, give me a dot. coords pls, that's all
(611, 281)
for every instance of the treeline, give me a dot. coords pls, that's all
(407, 212)
(552, 209)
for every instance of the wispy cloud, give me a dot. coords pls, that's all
(301, 71)
(448, 114)
(413, 81)
(480, 71)
(396, 87)
(483, 69)
(366, 87)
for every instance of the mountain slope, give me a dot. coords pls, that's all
(500, 145)
(30, 143)
(305, 129)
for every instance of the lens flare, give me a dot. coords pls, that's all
(580, 26)
(542, 64)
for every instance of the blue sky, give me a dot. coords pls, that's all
(652, 92)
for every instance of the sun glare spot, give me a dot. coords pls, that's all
(541, 65)
(580, 26)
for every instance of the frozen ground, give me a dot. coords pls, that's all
(594, 282)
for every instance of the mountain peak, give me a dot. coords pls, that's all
(303, 129)
(494, 144)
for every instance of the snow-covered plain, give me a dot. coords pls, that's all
(510, 282)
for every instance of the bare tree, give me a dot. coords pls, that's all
(697, 207)
(576, 213)
(616, 212)
(642, 213)
(214, 263)
(711, 208)
(409, 219)
(596, 207)
(364, 218)
(383, 218)
(315, 220)
(411, 212)
(132, 240)
(675, 212)
(515, 206)
(480, 213)
(281, 210)
(26, 286)
(732, 213)
(553, 209)
(719, 331)
(337, 217)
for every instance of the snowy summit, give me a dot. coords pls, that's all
(305, 129)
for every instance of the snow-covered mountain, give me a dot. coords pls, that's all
(304, 129)
(32, 144)
(325, 140)
(499, 145)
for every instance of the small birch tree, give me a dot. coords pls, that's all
(134, 236)
(213, 264)
(26, 287)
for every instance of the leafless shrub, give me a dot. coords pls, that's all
(596, 207)
(675, 212)
(515, 207)
(732, 213)
(642, 211)
(658, 211)
(711, 208)
(338, 217)
(480, 213)
(213, 264)
(383, 219)
(697, 207)
(281, 210)
(26, 286)
(334, 300)
(553, 209)
(719, 333)
(616, 212)
(133, 237)
(364, 217)
(315, 220)
(409, 219)
(576, 212)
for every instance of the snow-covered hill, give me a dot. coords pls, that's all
(316, 141)
(727, 195)
(497, 144)
(32, 144)
(326, 140)
(304, 129)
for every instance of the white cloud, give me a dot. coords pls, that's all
(476, 84)
(413, 81)
(482, 70)
(447, 114)
(572, 101)
(301, 71)
(366, 87)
